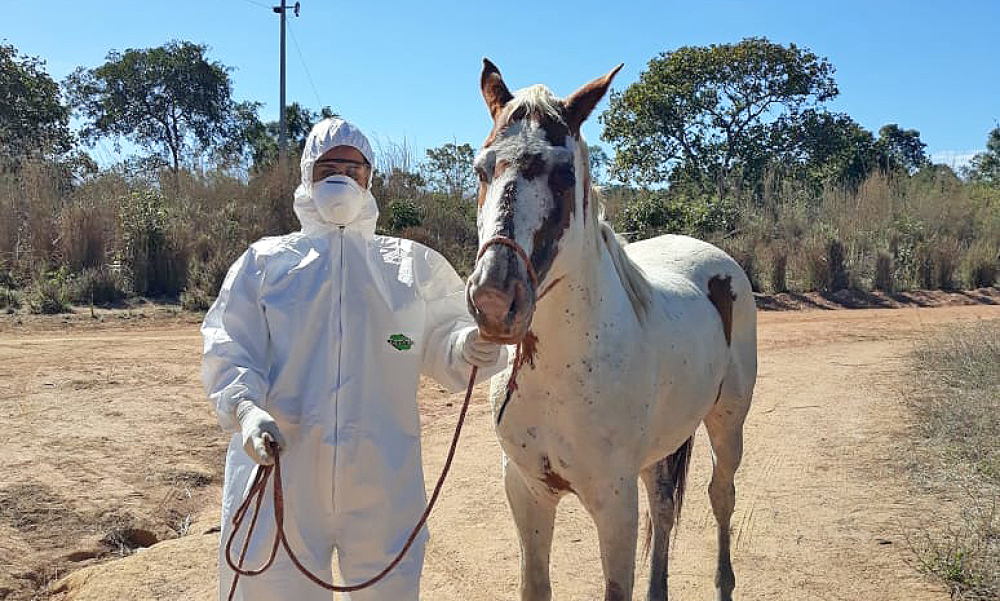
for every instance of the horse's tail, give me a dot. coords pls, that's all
(680, 461)
(677, 466)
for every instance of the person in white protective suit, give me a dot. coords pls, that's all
(316, 341)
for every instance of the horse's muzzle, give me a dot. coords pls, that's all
(503, 314)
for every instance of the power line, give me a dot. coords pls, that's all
(302, 60)
(257, 4)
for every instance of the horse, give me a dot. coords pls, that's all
(622, 350)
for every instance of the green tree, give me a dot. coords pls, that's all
(398, 184)
(599, 163)
(710, 110)
(826, 148)
(985, 166)
(259, 140)
(448, 169)
(900, 149)
(170, 99)
(32, 117)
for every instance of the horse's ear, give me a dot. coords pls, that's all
(495, 91)
(581, 102)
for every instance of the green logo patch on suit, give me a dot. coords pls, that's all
(400, 342)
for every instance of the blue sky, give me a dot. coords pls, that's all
(408, 71)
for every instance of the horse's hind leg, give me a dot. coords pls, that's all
(664, 482)
(534, 510)
(725, 430)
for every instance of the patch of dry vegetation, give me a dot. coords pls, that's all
(956, 401)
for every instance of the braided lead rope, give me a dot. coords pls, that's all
(256, 495)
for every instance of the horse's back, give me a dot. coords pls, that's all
(718, 276)
(697, 260)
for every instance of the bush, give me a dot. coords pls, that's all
(86, 231)
(981, 265)
(937, 263)
(403, 214)
(838, 276)
(154, 265)
(744, 251)
(203, 283)
(707, 215)
(98, 286)
(196, 299)
(817, 269)
(651, 214)
(9, 298)
(884, 273)
(49, 294)
(779, 270)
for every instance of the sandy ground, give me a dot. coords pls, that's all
(109, 447)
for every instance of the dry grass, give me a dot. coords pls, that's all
(956, 401)
(154, 234)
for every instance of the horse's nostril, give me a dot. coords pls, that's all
(519, 299)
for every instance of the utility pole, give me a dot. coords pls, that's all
(281, 115)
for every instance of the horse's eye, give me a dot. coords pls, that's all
(562, 177)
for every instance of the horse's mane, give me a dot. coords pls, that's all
(533, 100)
(634, 281)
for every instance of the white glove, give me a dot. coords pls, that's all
(475, 350)
(258, 428)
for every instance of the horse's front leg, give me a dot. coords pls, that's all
(534, 510)
(614, 506)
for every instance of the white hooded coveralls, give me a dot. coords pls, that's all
(328, 330)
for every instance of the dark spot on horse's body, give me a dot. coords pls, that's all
(556, 483)
(720, 292)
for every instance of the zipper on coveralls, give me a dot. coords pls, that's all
(340, 354)
(340, 333)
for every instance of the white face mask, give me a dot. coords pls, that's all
(338, 199)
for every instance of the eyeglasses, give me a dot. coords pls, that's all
(353, 169)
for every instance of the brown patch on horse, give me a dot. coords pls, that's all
(500, 168)
(483, 188)
(556, 483)
(494, 90)
(562, 185)
(529, 348)
(720, 292)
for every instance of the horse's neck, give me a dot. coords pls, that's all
(568, 320)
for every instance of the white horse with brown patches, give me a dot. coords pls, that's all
(629, 350)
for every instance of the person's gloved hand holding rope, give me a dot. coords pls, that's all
(475, 349)
(258, 427)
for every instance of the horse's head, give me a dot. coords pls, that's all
(534, 185)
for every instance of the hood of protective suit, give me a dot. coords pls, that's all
(325, 135)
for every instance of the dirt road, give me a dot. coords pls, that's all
(108, 446)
